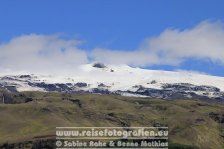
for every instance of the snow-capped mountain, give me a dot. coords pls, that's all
(122, 80)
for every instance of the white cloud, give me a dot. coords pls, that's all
(51, 53)
(136, 58)
(205, 41)
(40, 53)
(173, 46)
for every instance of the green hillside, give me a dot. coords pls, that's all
(192, 123)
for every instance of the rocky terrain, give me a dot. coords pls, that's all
(122, 80)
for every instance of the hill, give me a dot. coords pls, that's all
(192, 123)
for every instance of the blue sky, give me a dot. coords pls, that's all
(117, 25)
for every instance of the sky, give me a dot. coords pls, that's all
(58, 35)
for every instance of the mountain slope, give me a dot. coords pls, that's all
(192, 123)
(122, 80)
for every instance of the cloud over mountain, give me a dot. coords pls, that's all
(41, 53)
(53, 53)
(173, 46)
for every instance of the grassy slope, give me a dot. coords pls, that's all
(188, 120)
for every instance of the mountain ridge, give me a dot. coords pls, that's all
(122, 80)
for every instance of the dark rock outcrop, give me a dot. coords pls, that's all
(99, 65)
(217, 117)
